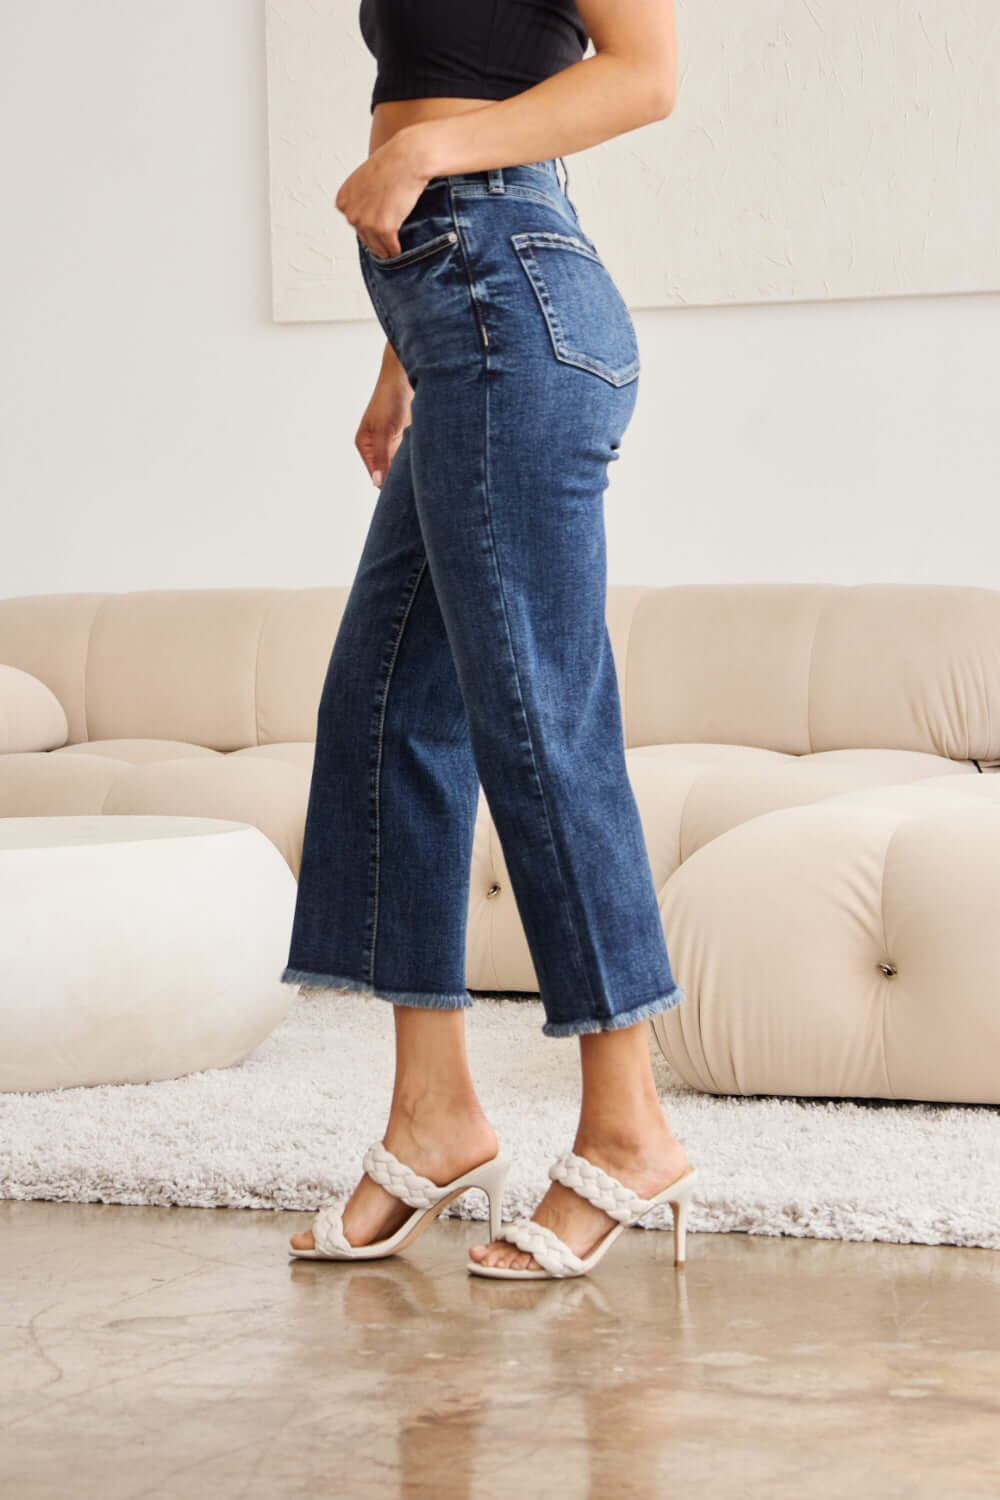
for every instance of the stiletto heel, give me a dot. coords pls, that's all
(491, 1177)
(679, 1205)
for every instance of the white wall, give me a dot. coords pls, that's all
(157, 430)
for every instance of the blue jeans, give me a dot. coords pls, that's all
(473, 648)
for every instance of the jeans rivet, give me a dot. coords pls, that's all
(493, 890)
(888, 969)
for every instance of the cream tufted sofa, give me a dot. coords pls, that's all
(815, 767)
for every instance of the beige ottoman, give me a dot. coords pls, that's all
(847, 948)
(137, 948)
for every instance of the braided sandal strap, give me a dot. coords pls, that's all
(551, 1253)
(328, 1228)
(599, 1187)
(399, 1179)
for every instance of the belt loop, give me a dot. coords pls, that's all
(495, 178)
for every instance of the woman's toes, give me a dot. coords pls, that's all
(303, 1241)
(503, 1255)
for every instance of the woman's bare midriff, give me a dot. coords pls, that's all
(392, 114)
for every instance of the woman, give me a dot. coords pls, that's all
(473, 647)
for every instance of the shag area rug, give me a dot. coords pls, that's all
(287, 1127)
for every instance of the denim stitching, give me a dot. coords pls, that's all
(515, 190)
(523, 247)
(456, 179)
(377, 786)
(415, 252)
(477, 311)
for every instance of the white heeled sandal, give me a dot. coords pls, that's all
(425, 1197)
(606, 1193)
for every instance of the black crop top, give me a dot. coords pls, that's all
(473, 49)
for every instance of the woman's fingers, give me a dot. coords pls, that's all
(383, 424)
(377, 450)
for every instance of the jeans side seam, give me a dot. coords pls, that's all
(377, 787)
(477, 312)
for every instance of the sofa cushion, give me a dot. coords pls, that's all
(689, 794)
(266, 785)
(293, 753)
(139, 752)
(845, 949)
(46, 784)
(802, 668)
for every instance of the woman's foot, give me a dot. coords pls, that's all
(648, 1166)
(438, 1143)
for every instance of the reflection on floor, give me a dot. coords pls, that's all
(162, 1352)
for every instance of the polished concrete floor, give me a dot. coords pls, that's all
(155, 1352)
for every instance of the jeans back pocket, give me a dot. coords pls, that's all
(586, 315)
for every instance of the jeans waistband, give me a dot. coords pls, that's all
(494, 178)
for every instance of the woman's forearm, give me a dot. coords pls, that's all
(580, 106)
(391, 367)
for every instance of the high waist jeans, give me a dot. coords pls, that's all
(473, 648)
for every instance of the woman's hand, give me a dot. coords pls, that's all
(386, 416)
(379, 194)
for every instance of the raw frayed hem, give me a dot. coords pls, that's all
(616, 1022)
(425, 1000)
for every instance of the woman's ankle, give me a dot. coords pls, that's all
(440, 1124)
(625, 1135)
(420, 1100)
(441, 1143)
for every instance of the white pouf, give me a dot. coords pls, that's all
(848, 948)
(137, 948)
